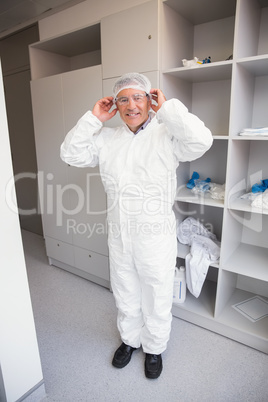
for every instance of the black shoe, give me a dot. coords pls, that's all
(122, 355)
(153, 365)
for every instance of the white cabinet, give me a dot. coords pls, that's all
(53, 176)
(81, 89)
(58, 250)
(72, 51)
(73, 202)
(88, 220)
(96, 265)
(228, 95)
(130, 40)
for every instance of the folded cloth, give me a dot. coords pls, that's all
(261, 201)
(254, 131)
(217, 191)
(204, 249)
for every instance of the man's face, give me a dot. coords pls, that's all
(134, 114)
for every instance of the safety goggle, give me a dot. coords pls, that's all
(137, 98)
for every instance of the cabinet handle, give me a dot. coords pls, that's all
(150, 37)
(58, 245)
(89, 255)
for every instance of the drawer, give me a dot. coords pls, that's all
(92, 263)
(60, 251)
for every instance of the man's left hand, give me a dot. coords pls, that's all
(158, 97)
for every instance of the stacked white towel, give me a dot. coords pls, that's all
(261, 201)
(254, 131)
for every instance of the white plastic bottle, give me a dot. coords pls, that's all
(179, 291)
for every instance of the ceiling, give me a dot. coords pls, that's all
(16, 14)
(19, 13)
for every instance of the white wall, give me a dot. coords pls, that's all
(20, 367)
(82, 15)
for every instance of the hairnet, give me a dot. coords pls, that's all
(133, 81)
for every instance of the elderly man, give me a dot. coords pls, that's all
(138, 162)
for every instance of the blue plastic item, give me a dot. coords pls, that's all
(191, 182)
(202, 185)
(260, 187)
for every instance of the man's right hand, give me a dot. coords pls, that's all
(102, 109)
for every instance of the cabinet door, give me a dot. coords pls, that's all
(60, 251)
(49, 134)
(88, 202)
(92, 263)
(81, 89)
(130, 40)
(87, 219)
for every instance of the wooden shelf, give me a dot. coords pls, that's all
(237, 321)
(241, 204)
(256, 65)
(197, 13)
(73, 43)
(204, 305)
(250, 138)
(248, 260)
(207, 72)
(186, 195)
(65, 53)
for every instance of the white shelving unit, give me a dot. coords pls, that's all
(68, 52)
(228, 95)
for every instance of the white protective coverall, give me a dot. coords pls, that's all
(139, 176)
(205, 249)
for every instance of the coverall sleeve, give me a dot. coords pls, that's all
(190, 137)
(80, 147)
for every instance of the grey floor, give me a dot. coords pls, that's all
(76, 329)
